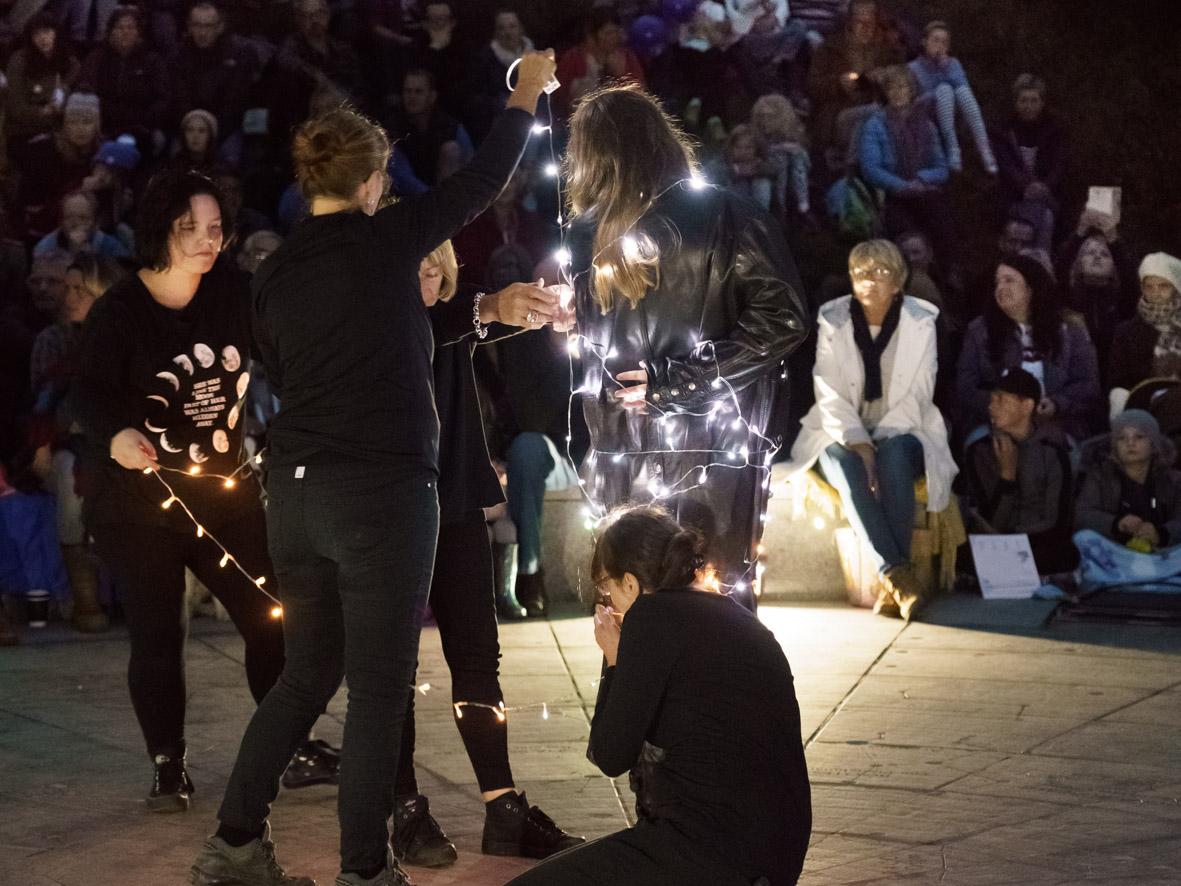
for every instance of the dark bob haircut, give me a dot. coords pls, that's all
(167, 198)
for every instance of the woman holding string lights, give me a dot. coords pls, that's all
(163, 367)
(687, 303)
(353, 509)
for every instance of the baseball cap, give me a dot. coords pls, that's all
(1020, 383)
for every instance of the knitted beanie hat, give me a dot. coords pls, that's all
(1161, 264)
(121, 153)
(82, 104)
(1145, 423)
(209, 120)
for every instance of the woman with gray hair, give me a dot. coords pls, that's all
(875, 428)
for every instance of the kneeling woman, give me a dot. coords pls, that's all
(712, 739)
(875, 428)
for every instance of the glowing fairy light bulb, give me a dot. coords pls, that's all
(762, 549)
(200, 531)
(544, 711)
(540, 129)
(631, 249)
(818, 523)
(744, 451)
(736, 424)
(230, 483)
(697, 183)
(617, 458)
(258, 459)
(551, 170)
(606, 270)
(740, 587)
(563, 256)
(701, 478)
(458, 710)
(501, 715)
(716, 383)
(260, 581)
(424, 688)
(194, 470)
(588, 524)
(733, 455)
(147, 470)
(168, 502)
(612, 354)
(573, 349)
(276, 612)
(223, 561)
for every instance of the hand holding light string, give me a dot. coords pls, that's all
(533, 72)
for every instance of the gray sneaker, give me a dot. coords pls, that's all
(393, 875)
(220, 864)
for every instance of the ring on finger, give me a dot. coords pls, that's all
(531, 317)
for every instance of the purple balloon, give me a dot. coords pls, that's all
(679, 11)
(648, 34)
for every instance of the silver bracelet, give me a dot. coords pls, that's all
(481, 329)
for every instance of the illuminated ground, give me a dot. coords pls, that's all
(939, 754)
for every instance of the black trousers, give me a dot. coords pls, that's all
(650, 854)
(150, 564)
(463, 600)
(353, 546)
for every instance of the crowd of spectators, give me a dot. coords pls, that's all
(843, 117)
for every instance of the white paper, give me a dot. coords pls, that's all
(1105, 201)
(1005, 566)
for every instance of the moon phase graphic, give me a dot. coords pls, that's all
(168, 447)
(221, 442)
(197, 454)
(183, 361)
(231, 360)
(171, 378)
(155, 430)
(243, 383)
(158, 398)
(232, 418)
(204, 355)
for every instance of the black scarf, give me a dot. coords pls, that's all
(871, 348)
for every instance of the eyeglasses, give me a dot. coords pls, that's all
(602, 595)
(875, 273)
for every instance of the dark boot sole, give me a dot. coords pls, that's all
(441, 860)
(504, 849)
(171, 803)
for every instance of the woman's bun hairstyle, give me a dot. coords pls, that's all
(335, 152)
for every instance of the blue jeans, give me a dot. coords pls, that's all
(529, 463)
(885, 520)
(353, 546)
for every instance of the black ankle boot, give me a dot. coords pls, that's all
(531, 593)
(512, 827)
(172, 789)
(418, 839)
(315, 762)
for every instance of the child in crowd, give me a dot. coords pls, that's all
(938, 73)
(777, 124)
(747, 170)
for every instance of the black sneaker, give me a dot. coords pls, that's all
(418, 840)
(172, 789)
(512, 827)
(531, 593)
(315, 762)
(220, 864)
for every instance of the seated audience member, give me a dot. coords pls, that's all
(1149, 344)
(1097, 278)
(942, 77)
(488, 84)
(601, 57)
(256, 249)
(130, 80)
(745, 169)
(384, 44)
(434, 142)
(79, 232)
(214, 69)
(439, 49)
(40, 75)
(1030, 149)
(110, 181)
(247, 220)
(1017, 235)
(52, 368)
(785, 142)
(1019, 475)
(773, 56)
(875, 428)
(47, 289)
(196, 143)
(667, 710)
(57, 163)
(900, 153)
(924, 280)
(1022, 327)
(313, 51)
(863, 47)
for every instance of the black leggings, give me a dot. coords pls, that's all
(463, 601)
(150, 565)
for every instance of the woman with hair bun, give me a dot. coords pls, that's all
(353, 508)
(711, 736)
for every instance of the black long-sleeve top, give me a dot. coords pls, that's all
(701, 707)
(179, 377)
(340, 323)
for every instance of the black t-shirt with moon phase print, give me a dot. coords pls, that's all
(179, 377)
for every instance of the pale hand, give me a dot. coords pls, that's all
(132, 450)
(1130, 524)
(1148, 532)
(521, 304)
(633, 398)
(607, 630)
(536, 70)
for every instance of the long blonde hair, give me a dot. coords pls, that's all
(443, 257)
(624, 151)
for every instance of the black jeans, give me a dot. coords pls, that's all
(353, 545)
(650, 854)
(463, 600)
(150, 564)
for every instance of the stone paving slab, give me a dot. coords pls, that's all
(988, 746)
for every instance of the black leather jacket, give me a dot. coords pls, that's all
(728, 305)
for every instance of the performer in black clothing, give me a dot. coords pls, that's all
(162, 373)
(353, 512)
(461, 598)
(697, 701)
(689, 302)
